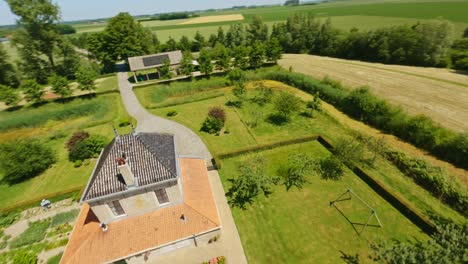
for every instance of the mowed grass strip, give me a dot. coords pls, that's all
(299, 226)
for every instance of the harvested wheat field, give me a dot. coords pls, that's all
(210, 19)
(438, 93)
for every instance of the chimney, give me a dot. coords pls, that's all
(126, 172)
(104, 227)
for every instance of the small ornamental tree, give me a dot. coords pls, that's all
(286, 104)
(165, 70)
(215, 120)
(76, 138)
(8, 95)
(252, 181)
(33, 92)
(331, 168)
(257, 55)
(23, 159)
(60, 86)
(206, 67)
(85, 78)
(294, 172)
(186, 65)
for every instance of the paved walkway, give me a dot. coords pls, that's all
(188, 144)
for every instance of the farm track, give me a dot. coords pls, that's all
(438, 93)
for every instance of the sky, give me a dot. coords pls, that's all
(92, 9)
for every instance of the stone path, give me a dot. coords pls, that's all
(188, 144)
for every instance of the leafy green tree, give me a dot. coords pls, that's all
(87, 148)
(184, 43)
(273, 50)
(60, 86)
(199, 42)
(222, 57)
(8, 95)
(64, 29)
(257, 55)
(295, 171)
(235, 36)
(221, 38)
(459, 54)
(212, 40)
(8, 74)
(238, 78)
(331, 168)
(165, 70)
(351, 152)
(123, 37)
(316, 103)
(206, 66)
(170, 45)
(24, 159)
(70, 60)
(286, 104)
(257, 30)
(447, 246)
(252, 181)
(186, 65)
(33, 92)
(241, 57)
(85, 76)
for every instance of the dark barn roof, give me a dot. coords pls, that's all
(151, 158)
(154, 60)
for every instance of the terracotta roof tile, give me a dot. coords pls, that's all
(89, 244)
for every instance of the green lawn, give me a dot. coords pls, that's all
(53, 125)
(299, 226)
(242, 135)
(107, 84)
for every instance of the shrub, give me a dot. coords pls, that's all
(212, 125)
(217, 113)
(286, 104)
(77, 163)
(87, 148)
(331, 168)
(124, 122)
(35, 233)
(171, 113)
(24, 257)
(76, 138)
(24, 159)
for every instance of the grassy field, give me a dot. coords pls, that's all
(438, 93)
(53, 123)
(299, 226)
(243, 134)
(364, 15)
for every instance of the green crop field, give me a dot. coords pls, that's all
(364, 15)
(53, 123)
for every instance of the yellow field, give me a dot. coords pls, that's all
(210, 19)
(440, 94)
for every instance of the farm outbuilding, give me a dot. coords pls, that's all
(147, 66)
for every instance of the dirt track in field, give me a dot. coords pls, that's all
(438, 93)
(210, 19)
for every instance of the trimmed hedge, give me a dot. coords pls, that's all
(432, 179)
(365, 106)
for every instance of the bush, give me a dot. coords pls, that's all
(77, 163)
(36, 232)
(331, 168)
(24, 159)
(88, 148)
(76, 138)
(24, 257)
(172, 113)
(124, 122)
(212, 125)
(217, 113)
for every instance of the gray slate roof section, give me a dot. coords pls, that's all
(151, 158)
(138, 63)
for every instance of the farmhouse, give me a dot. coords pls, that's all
(149, 65)
(141, 199)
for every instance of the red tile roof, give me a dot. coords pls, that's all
(89, 244)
